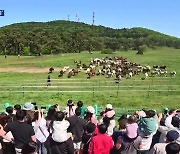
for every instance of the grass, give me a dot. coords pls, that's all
(130, 94)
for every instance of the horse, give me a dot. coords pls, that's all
(51, 70)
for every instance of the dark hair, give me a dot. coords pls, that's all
(4, 119)
(102, 113)
(17, 107)
(9, 109)
(36, 115)
(173, 148)
(20, 114)
(175, 122)
(78, 111)
(88, 116)
(132, 119)
(124, 116)
(106, 121)
(59, 116)
(51, 112)
(70, 102)
(122, 123)
(79, 103)
(106, 110)
(171, 111)
(102, 128)
(150, 113)
(90, 127)
(29, 148)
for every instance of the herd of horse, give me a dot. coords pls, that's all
(117, 67)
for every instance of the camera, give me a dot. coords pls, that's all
(34, 103)
(56, 105)
(43, 107)
(35, 108)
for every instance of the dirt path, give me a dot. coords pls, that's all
(28, 69)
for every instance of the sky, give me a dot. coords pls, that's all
(159, 15)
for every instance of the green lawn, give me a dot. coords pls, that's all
(132, 93)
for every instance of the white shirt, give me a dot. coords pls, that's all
(60, 130)
(158, 148)
(168, 121)
(41, 131)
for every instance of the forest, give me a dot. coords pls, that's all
(60, 36)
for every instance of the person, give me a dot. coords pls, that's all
(80, 105)
(41, 131)
(172, 113)
(90, 115)
(77, 127)
(164, 129)
(9, 111)
(101, 143)
(7, 146)
(148, 127)
(86, 138)
(30, 148)
(130, 142)
(28, 109)
(148, 124)
(159, 148)
(173, 148)
(70, 109)
(22, 132)
(48, 80)
(109, 121)
(50, 115)
(59, 128)
(61, 141)
(16, 108)
(120, 132)
(132, 126)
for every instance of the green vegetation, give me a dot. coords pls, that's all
(35, 38)
(154, 92)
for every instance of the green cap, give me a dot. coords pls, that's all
(6, 105)
(165, 109)
(48, 106)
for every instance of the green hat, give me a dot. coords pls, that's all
(6, 105)
(165, 109)
(48, 106)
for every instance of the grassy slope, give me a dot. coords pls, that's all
(157, 100)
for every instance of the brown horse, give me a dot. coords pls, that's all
(51, 70)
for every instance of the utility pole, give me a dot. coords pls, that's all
(68, 17)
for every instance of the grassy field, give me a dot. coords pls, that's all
(154, 92)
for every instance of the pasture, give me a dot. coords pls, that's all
(25, 79)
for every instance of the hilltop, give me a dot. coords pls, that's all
(61, 36)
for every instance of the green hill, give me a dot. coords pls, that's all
(60, 36)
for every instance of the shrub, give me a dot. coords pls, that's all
(107, 51)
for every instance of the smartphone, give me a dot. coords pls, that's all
(35, 108)
(34, 103)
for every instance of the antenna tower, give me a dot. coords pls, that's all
(93, 18)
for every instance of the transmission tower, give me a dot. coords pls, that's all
(76, 18)
(93, 21)
(68, 17)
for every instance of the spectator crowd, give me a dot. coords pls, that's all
(76, 129)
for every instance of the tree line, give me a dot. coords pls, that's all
(56, 37)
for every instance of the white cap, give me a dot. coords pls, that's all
(90, 109)
(108, 106)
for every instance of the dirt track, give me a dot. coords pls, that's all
(28, 69)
